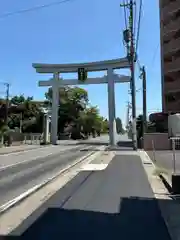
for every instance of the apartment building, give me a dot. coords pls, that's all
(170, 54)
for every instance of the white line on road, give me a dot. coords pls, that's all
(23, 151)
(37, 157)
(24, 195)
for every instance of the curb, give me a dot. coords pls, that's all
(166, 182)
(23, 196)
(161, 212)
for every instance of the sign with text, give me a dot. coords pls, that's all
(82, 74)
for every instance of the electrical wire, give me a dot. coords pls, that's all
(125, 13)
(33, 8)
(139, 25)
(155, 53)
(134, 20)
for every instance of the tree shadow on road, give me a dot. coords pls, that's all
(137, 218)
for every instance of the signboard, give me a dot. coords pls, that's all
(82, 74)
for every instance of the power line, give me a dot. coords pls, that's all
(33, 8)
(125, 13)
(155, 53)
(135, 14)
(139, 25)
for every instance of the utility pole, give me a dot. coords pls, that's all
(143, 76)
(7, 103)
(128, 113)
(129, 39)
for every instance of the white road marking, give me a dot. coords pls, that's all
(23, 151)
(24, 195)
(29, 160)
(94, 167)
(35, 158)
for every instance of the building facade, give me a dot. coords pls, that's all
(170, 54)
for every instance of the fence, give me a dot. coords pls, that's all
(18, 138)
(168, 159)
(32, 138)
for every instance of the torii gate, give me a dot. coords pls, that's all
(110, 79)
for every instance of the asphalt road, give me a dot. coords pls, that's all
(104, 139)
(19, 178)
(21, 171)
(33, 154)
(117, 203)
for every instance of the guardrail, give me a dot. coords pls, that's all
(33, 138)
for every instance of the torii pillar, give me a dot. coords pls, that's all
(111, 107)
(55, 108)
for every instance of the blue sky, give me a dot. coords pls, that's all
(76, 31)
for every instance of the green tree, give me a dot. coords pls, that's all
(72, 100)
(27, 112)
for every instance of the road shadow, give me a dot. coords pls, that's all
(137, 218)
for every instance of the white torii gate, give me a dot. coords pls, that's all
(110, 79)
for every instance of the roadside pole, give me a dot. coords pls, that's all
(129, 40)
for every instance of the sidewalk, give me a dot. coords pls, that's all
(116, 203)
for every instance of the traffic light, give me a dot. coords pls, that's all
(82, 74)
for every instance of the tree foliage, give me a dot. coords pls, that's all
(74, 110)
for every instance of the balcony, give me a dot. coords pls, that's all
(173, 26)
(172, 66)
(172, 86)
(171, 8)
(172, 46)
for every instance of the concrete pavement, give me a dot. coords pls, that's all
(116, 203)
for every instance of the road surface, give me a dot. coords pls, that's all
(18, 178)
(117, 203)
(24, 170)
